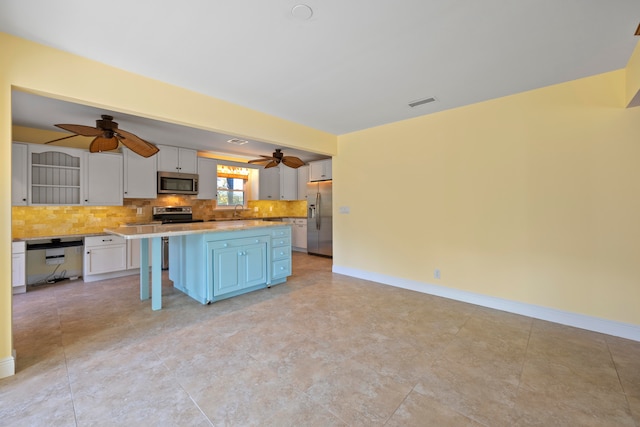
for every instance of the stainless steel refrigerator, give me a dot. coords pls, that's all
(319, 218)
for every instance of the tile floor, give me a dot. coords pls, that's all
(321, 350)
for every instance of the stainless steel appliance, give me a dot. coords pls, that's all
(319, 218)
(177, 183)
(171, 215)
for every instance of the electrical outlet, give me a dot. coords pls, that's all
(436, 273)
(139, 211)
(270, 208)
(255, 209)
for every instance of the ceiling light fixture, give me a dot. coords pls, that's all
(237, 141)
(421, 101)
(301, 12)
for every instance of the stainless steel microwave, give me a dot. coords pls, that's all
(177, 183)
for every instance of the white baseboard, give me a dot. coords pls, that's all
(8, 366)
(609, 327)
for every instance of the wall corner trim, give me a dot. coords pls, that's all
(609, 327)
(8, 366)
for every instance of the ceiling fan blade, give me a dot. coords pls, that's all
(100, 144)
(81, 130)
(136, 144)
(271, 164)
(292, 162)
(60, 139)
(265, 159)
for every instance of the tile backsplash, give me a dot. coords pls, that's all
(51, 221)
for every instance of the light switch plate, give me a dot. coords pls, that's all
(344, 209)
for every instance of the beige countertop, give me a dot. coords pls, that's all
(162, 230)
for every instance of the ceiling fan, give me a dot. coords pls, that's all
(107, 136)
(276, 158)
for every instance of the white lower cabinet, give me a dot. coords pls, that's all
(133, 253)
(103, 254)
(18, 267)
(299, 234)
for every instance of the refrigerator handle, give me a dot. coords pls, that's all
(319, 210)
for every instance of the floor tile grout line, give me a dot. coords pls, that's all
(66, 361)
(615, 366)
(525, 355)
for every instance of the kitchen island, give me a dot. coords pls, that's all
(210, 261)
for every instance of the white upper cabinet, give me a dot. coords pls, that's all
(269, 183)
(320, 170)
(207, 179)
(174, 159)
(55, 175)
(140, 177)
(288, 183)
(19, 176)
(303, 179)
(279, 183)
(103, 179)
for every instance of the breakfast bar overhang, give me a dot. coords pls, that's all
(213, 260)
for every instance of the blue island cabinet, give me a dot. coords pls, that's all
(214, 266)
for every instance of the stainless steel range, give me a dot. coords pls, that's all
(171, 215)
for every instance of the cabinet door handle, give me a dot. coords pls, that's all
(107, 240)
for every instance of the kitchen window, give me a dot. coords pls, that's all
(232, 185)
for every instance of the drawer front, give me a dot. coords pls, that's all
(108, 240)
(281, 241)
(281, 232)
(281, 269)
(234, 243)
(281, 252)
(18, 247)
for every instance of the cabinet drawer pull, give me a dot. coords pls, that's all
(107, 240)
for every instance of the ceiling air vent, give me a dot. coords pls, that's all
(237, 141)
(421, 101)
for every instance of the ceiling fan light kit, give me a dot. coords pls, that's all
(277, 158)
(107, 136)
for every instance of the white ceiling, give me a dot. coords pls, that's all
(353, 65)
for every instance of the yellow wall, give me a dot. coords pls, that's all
(533, 197)
(42, 70)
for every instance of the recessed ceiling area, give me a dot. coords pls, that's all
(39, 112)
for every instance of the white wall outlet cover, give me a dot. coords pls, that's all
(345, 209)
